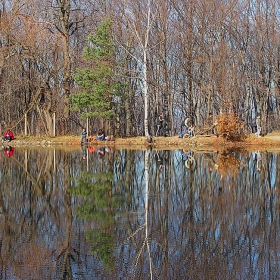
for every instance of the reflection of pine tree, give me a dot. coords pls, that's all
(100, 205)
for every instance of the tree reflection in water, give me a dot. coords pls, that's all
(142, 215)
(101, 207)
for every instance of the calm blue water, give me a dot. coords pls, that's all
(123, 214)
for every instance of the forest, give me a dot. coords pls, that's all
(118, 64)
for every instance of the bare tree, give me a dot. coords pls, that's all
(140, 20)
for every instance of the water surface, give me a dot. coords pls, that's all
(104, 214)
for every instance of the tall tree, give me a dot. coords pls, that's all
(98, 82)
(139, 18)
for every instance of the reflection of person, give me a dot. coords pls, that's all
(188, 158)
(184, 155)
(84, 152)
(189, 162)
(159, 162)
(84, 136)
(191, 156)
(8, 135)
(100, 152)
(259, 161)
(9, 151)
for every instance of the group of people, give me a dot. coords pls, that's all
(100, 136)
(187, 128)
(99, 151)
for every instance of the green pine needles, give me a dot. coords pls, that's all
(97, 82)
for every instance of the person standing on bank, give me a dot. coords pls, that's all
(84, 136)
(258, 123)
(159, 124)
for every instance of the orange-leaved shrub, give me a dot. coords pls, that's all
(230, 127)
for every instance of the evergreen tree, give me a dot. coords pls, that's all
(98, 82)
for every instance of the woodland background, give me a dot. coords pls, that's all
(202, 58)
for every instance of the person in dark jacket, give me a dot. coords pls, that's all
(84, 136)
(100, 135)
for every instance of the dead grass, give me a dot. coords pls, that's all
(168, 143)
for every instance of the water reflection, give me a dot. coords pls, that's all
(8, 151)
(139, 214)
(84, 151)
(159, 161)
(258, 159)
(188, 158)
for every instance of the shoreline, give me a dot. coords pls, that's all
(268, 142)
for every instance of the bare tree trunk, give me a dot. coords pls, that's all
(64, 8)
(146, 97)
(127, 104)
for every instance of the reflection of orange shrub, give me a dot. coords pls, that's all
(229, 126)
(226, 163)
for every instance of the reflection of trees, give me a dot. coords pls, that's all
(206, 229)
(67, 251)
(143, 238)
(38, 212)
(24, 195)
(223, 228)
(147, 228)
(100, 205)
(196, 222)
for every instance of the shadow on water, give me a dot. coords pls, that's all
(100, 213)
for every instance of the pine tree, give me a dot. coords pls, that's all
(98, 82)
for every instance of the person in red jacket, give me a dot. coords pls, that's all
(8, 135)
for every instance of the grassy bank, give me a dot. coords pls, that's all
(270, 141)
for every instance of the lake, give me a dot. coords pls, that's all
(99, 213)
